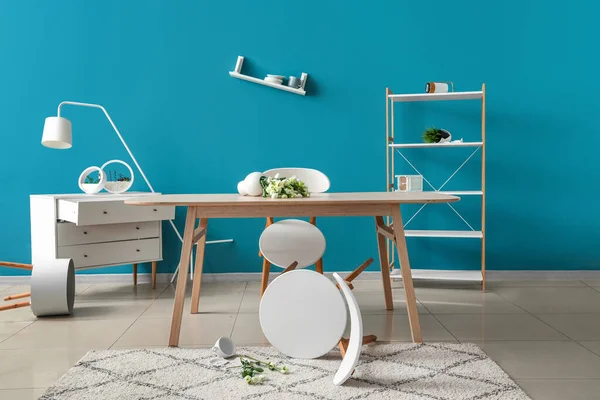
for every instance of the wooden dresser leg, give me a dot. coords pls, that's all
(154, 274)
(135, 274)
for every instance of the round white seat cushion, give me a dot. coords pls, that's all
(291, 240)
(302, 314)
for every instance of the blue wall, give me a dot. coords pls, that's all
(160, 68)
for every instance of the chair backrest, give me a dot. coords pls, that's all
(315, 180)
(356, 335)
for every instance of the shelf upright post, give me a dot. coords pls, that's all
(389, 138)
(483, 146)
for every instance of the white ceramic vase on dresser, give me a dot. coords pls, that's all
(96, 230)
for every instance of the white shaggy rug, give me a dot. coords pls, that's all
(438, 371)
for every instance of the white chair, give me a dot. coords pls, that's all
(293, 240)
(309, 325)
(52, 287)
(351, 348)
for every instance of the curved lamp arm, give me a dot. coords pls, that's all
(75, 103)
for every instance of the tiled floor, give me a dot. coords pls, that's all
(546, 335)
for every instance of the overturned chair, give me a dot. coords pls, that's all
(52, 287)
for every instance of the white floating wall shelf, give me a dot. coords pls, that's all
(237, 73)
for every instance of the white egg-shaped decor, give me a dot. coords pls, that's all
(89, 184)
(252, 184)
(241, 188)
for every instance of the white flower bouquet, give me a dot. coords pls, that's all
(283, 188)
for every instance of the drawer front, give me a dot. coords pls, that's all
(70, 234)
(114, 253)
(110, 212)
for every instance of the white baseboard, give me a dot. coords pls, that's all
(492, 276)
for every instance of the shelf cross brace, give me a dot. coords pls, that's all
(440, 188)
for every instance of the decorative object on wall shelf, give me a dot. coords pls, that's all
(237, 73)
(57, 134)
(117, 183)
(294, 82)
(277, 79)
(393, 148)
(89, 184)
(434, 135)
(409, 183)
(439, 87)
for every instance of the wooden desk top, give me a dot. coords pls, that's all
(330, 199)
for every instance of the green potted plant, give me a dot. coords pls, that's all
(435, 135)
(117, 183)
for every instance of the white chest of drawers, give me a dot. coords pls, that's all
(96, 230)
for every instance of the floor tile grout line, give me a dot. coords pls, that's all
(26, 326)
(238, 311)
(138, 317)
(578, 341)
(564, 334)
(439, 322)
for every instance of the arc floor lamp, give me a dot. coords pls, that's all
(58, 135)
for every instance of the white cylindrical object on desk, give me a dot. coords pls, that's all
(53, 287)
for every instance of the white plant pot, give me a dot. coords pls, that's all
(92, 188)
(117, 187)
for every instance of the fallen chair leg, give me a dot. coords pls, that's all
(359, 270)
(291, 267)
(16, 265)
(17, 296)
(356, 273)
(15, 305)
(343, 344)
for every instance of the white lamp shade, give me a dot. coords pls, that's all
(57, 133)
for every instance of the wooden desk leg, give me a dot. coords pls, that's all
(184, 265)
(409, 290)
(134, 274)
(385, 266)
(199, 265)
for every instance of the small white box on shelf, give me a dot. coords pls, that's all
(409, 183)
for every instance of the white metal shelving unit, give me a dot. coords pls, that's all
(391, 148)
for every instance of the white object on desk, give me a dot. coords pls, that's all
(96, 231)
(303, 314)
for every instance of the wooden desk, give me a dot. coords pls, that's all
(376, 204)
